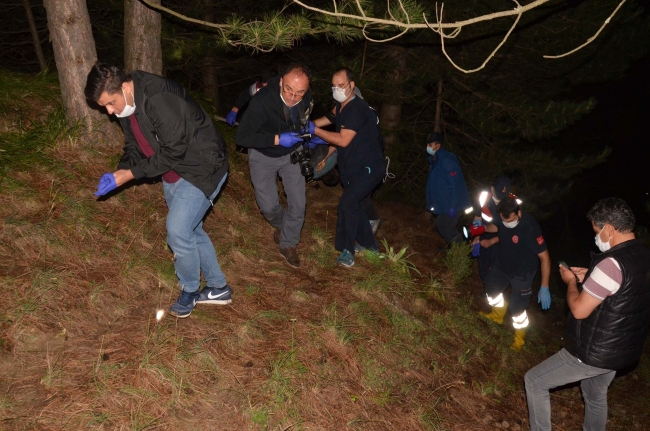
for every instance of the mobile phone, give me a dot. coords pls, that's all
(563, 263)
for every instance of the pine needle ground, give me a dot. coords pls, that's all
(316, 348)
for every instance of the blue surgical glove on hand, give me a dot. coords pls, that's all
(310, 128)
(451, 212)
(476, 250)
(544, 296)
(231, 118)
(106, 184)
(315, 140)
(289, 139)
(477, 223)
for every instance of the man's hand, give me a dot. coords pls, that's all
(579, 272)
(231, 118)
(289, 139)
(487, 243)
(477, 222)
(544, 296)
(476, 240)
(106, 184)
(476, 250)
(570, 275)
(310, 128)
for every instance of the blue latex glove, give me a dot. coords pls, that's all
(289, 139)
(544, 296)
(106, 184)
(309, 128)
(476, 250)
(477, 223)
(231, 118)
(451, 212)
(316, 141)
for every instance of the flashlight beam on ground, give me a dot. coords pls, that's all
(159, 315)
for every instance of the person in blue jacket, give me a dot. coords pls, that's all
(447, 194)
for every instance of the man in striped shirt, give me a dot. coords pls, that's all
(608, 323)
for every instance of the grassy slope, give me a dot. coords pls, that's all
(320, 348)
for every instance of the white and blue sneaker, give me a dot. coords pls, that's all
(215, 295)
(184, 304)
(345, 259)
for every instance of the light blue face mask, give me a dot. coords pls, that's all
(431, 151)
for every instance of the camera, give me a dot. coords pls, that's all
(302, 156)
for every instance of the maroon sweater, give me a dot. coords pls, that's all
(145, 147)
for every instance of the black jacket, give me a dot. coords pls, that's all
(180, 132)
(612, 336)
(267, 116)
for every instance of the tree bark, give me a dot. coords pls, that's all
(391, 112)
(35, 38)
(142, 32)
(210, 78)
(74, 54)
(437, 124)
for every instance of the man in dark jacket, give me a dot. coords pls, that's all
(270, 128)
(246, 95)
(608, 322)
(447, 195)
(485, 211)
(168, 134)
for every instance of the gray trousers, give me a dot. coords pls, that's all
(264, 175)
(558, 370)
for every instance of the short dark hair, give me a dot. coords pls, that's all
(267, 74)
(614, 211)
(349, 74)
(508, 206)
(104, 78)
(299, 68)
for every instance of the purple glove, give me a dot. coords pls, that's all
(231, 118)
(315, 140)
(451, 212)
(476, 250)
(106, 184)
(309, 128)
(289, 139)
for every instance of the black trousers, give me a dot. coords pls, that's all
(497, 281)
(353, 223)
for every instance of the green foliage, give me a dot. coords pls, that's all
(26, 147)
(399, 259)
(458, 262)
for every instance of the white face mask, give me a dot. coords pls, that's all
(602, 246)
(128, 109)
(511, 224)
(339, 94)
(431, 151)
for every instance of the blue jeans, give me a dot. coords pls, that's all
(558, 370)
(192, 248)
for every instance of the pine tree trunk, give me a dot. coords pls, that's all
(142, 32)
(35, 38)
(74, 54)
(210, 79)
(391, 112)
(437, 124)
